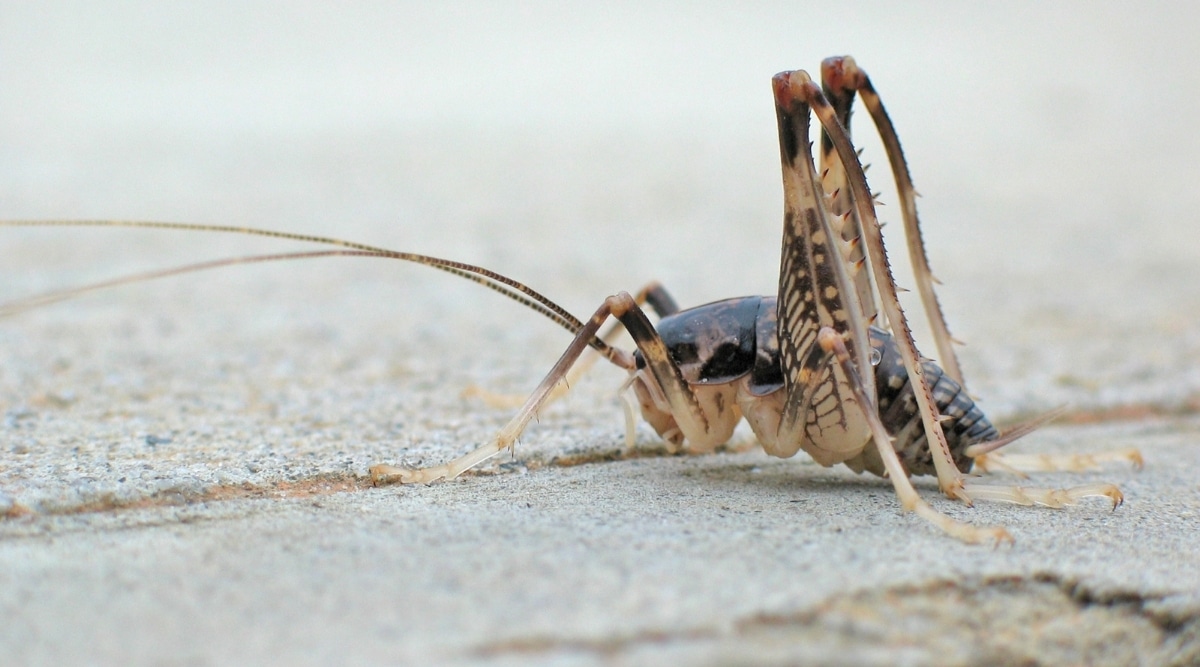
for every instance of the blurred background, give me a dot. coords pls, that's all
(589, 148)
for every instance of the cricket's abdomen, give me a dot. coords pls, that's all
(964, 424)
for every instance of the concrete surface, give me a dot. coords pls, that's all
(182, 462)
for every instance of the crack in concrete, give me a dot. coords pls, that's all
(318, 485)
(1044, 619)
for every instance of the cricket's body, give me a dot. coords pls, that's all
(809, 369)
(827, 365)
(728, 352)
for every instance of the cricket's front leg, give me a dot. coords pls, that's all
(387, 474)
(684, 407)
(653, 294)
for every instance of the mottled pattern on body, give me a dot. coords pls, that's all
(725, 341)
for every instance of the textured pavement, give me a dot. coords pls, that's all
(182, 463)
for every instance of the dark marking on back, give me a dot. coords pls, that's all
(713, 343)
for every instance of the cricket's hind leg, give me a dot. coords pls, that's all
(986, 458)
(1020, 464)
(841, 80)
(833, 344)
(1055, 498)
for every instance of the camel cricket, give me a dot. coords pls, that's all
(826, 365)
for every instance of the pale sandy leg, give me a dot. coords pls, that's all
(1024, 463)
(685, 408)
(910, 500)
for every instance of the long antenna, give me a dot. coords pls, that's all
(513, 289)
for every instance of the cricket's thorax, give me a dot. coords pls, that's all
(728, 351)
